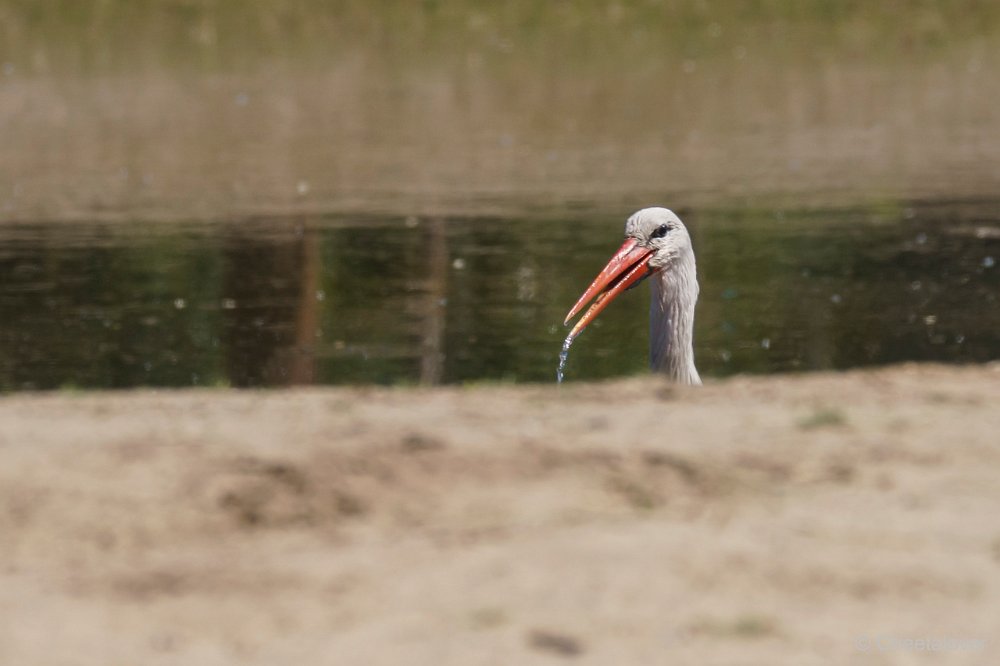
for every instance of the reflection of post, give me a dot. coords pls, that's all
(263, 306)
(432, 339)
(302, 364)
(820, 346)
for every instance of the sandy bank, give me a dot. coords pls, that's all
(777, 520)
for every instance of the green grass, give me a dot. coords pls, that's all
(824, 417)
(232, 34)
(747, 626)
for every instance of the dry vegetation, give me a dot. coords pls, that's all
(164, 109)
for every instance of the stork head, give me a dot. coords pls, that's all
(655, 240)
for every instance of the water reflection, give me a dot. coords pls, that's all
(269, 296)
(432, 300)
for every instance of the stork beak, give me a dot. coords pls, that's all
(628, 266)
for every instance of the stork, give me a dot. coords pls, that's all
(657, 246)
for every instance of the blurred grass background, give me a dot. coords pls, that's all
(64, 36)
(164, 108)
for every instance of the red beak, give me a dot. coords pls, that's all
(628, 266)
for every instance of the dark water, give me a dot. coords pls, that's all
(356, 300)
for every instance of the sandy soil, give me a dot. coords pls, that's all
(791, 520)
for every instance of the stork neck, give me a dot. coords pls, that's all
(671, 322)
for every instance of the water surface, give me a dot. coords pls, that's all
(390, 300)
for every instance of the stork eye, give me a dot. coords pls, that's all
(660, 232)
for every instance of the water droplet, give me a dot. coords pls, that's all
(563, 355)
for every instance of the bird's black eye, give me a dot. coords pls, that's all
(661, 231)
